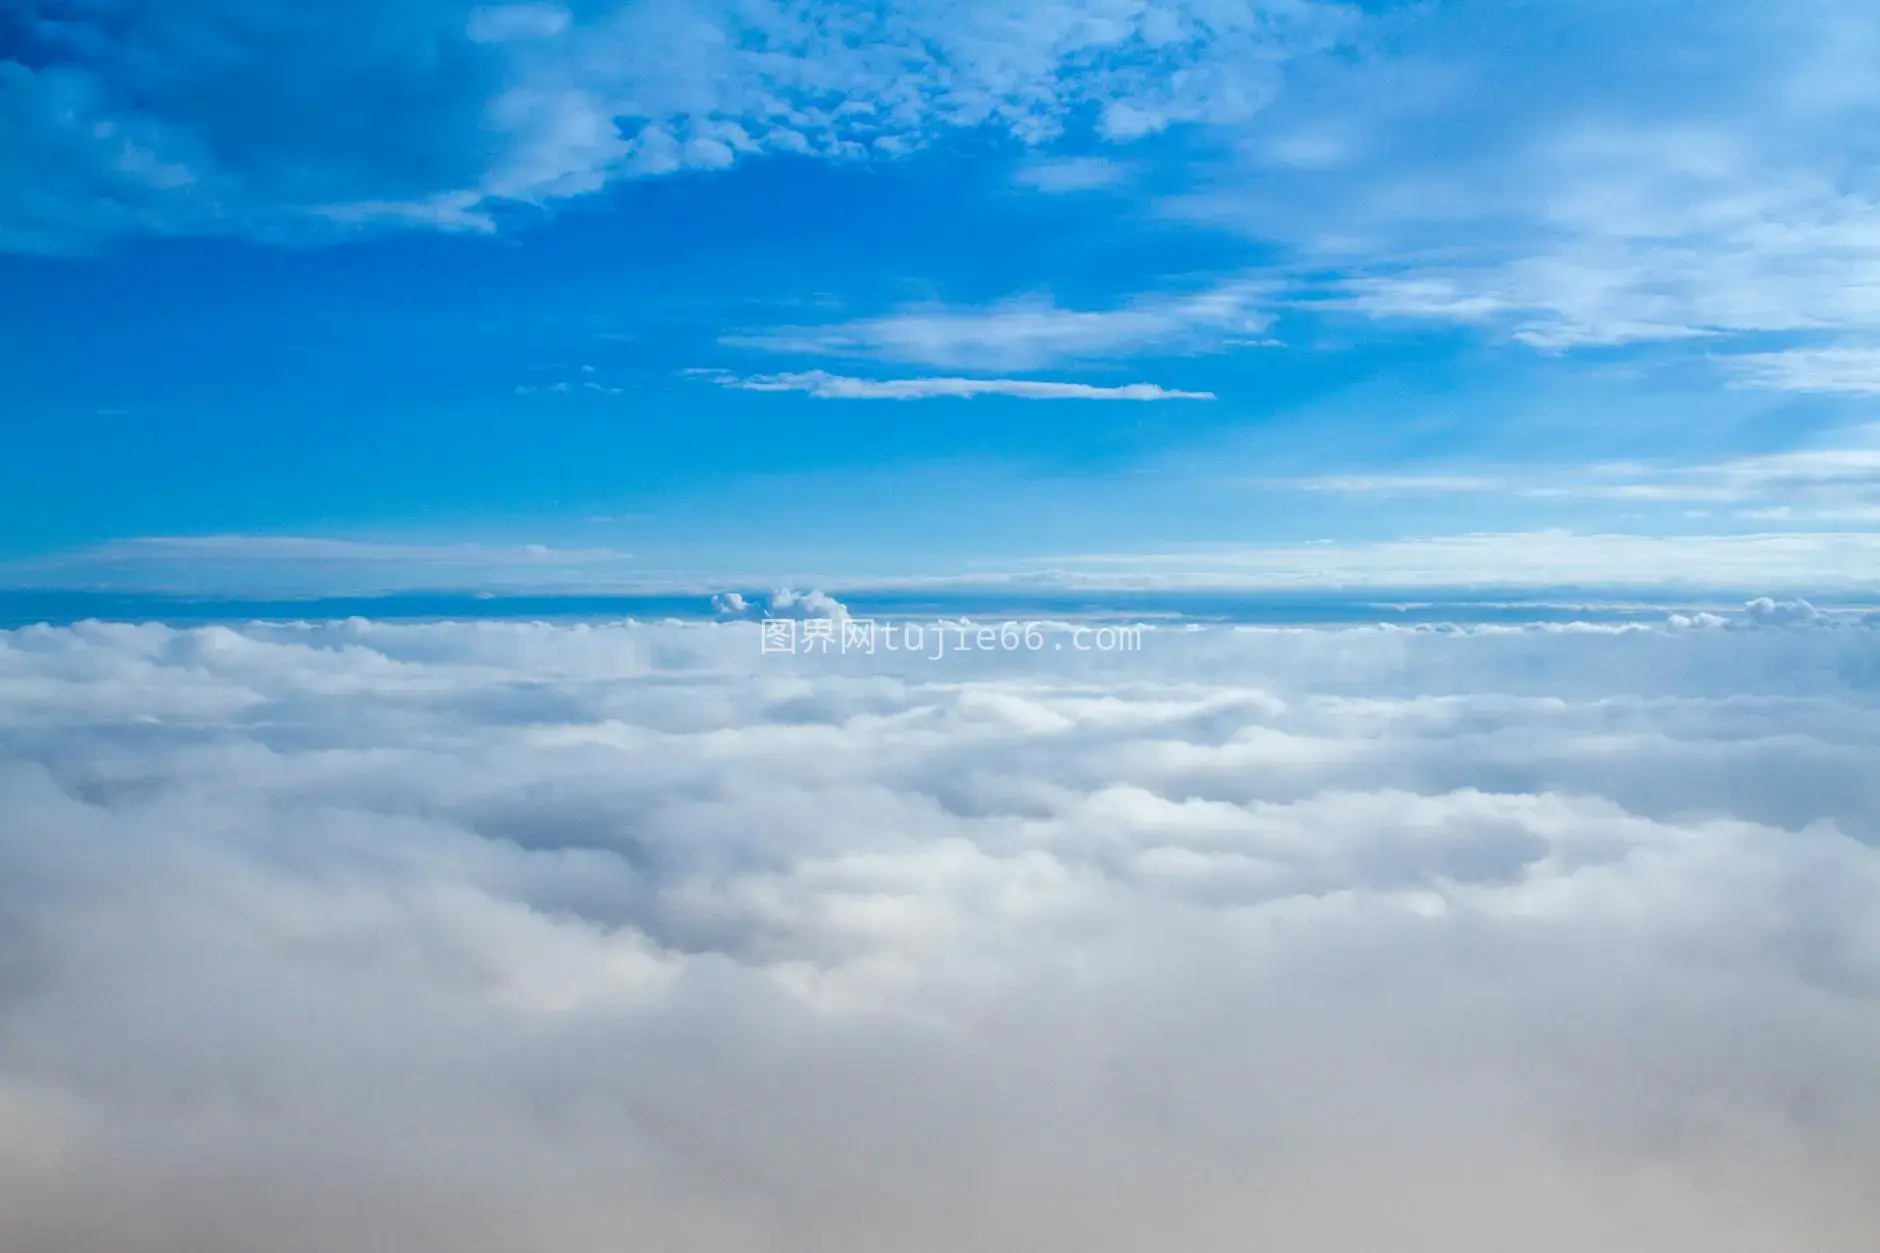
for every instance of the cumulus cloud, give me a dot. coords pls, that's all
(782, 603)
(1769, 609)
(225, 116)
(499, 937)
(826, 386)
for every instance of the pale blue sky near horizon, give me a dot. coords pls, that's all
(1137, 291)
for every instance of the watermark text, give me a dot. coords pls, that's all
(937, 640)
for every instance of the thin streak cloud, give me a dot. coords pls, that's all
(826, 386)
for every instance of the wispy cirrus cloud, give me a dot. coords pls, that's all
(296, 565)
(1034, 331)
(1713, 180)
(828, 386)
(1844, 561)
(1845, 369)
(1072, 174)
(585, 381)
(1389, 484)
(567, 387)
(1841, 480)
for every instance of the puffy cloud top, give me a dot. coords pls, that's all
(505, 937)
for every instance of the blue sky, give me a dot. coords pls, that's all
(355, 295)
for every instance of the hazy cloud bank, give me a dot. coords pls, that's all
(504, 937)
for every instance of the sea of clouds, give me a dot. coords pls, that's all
(511, 938)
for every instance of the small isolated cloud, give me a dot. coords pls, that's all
(567, 387)
(783, 603)
(828, 386)
(1768, 609)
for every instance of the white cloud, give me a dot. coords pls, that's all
(828, 386)
(504, 23)
(566, 387)
(782, 603)
(1841, 480)
(1455, 165)
(1033, 332)
(1713, 179)
(1850, 370)
(1768, 609)
(1767, 558)
(72, 172)
(463, 108)
(1389, 484)
(294, 565)
(1845, 561)
(504, 937)
(1072, 174)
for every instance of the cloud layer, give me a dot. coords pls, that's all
(504, 937)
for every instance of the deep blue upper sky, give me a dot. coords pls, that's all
(349, 294)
